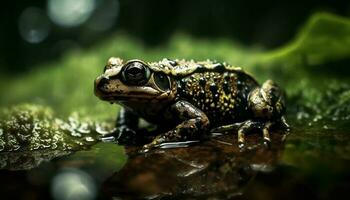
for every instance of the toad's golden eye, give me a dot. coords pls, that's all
(162, 81)
(135, 73)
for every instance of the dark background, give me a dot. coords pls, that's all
(265, 23)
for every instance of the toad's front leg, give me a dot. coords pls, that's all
(126, 126)
(194, 122)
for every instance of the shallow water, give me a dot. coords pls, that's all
(311, 163)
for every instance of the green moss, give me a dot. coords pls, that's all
(323, 39)
(32, 127)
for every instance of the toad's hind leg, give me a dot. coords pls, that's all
(194, 124)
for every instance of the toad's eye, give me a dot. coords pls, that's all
(162, 81)
(135, 73)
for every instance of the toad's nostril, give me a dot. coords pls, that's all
(102, 82)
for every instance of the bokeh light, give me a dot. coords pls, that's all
(70, 13)
(104, 16)
(33, 25)
(71, 184)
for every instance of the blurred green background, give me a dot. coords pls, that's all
(52, 50)
(40, 31)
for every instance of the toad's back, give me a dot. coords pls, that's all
(221, 96)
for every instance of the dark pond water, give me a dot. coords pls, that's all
(310, 163)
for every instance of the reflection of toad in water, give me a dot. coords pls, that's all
(214, 168)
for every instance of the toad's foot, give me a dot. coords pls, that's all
(264, 127)
(246, 127)
(122, 135)
(154, 144)
(249, 125)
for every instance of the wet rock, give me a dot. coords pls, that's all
(27, 160)
(30, 134)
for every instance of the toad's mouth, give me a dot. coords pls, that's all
(132, 94)
(129, 97)
(121, 94)
(113, 90)
(107, 89)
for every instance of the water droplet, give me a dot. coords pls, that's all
(102, 130)
(75, 134)
(89, 139)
